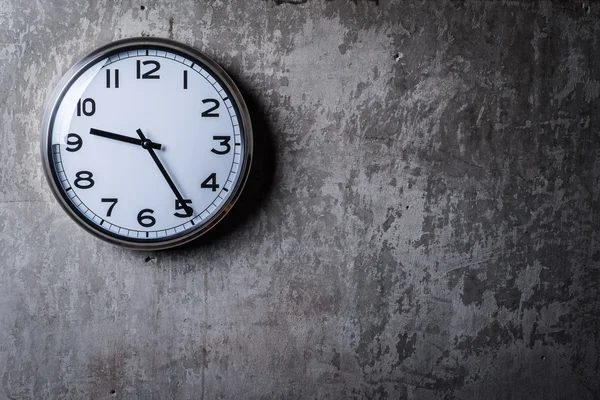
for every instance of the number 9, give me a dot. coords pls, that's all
(77, 142)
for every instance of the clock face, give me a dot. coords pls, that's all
(147, 143)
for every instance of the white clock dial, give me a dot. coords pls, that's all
(147, 143)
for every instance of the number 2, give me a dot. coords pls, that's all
(209, 112)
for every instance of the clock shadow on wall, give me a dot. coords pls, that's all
(259, 183)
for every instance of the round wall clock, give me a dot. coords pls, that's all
(146, 143)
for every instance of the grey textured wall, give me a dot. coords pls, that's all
(424, 221)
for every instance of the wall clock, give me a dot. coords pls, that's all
(146, 143)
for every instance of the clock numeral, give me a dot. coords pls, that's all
(209, 112)
(224, 141)
(108, 74)
(149, 74)
(187, 210)
(88, 107)
(113, 201)
(84, 180)
(210, 182)
(146, 220)
(76, 141)
(185, 79)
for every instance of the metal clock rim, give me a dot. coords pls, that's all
(115, 47)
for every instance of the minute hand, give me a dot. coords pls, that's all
(147, 144)
(122, 138)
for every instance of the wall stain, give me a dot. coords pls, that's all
(171, 23)
(297, 2)
(405, 347)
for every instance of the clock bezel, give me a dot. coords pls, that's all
(161, 44)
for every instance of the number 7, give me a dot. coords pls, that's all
(114, 201)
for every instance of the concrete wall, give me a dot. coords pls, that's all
(423, 223)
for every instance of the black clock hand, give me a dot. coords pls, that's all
(147, 144)
(122, 138)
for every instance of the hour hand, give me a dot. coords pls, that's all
(122, 138)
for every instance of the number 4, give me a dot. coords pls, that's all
(210, 182)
